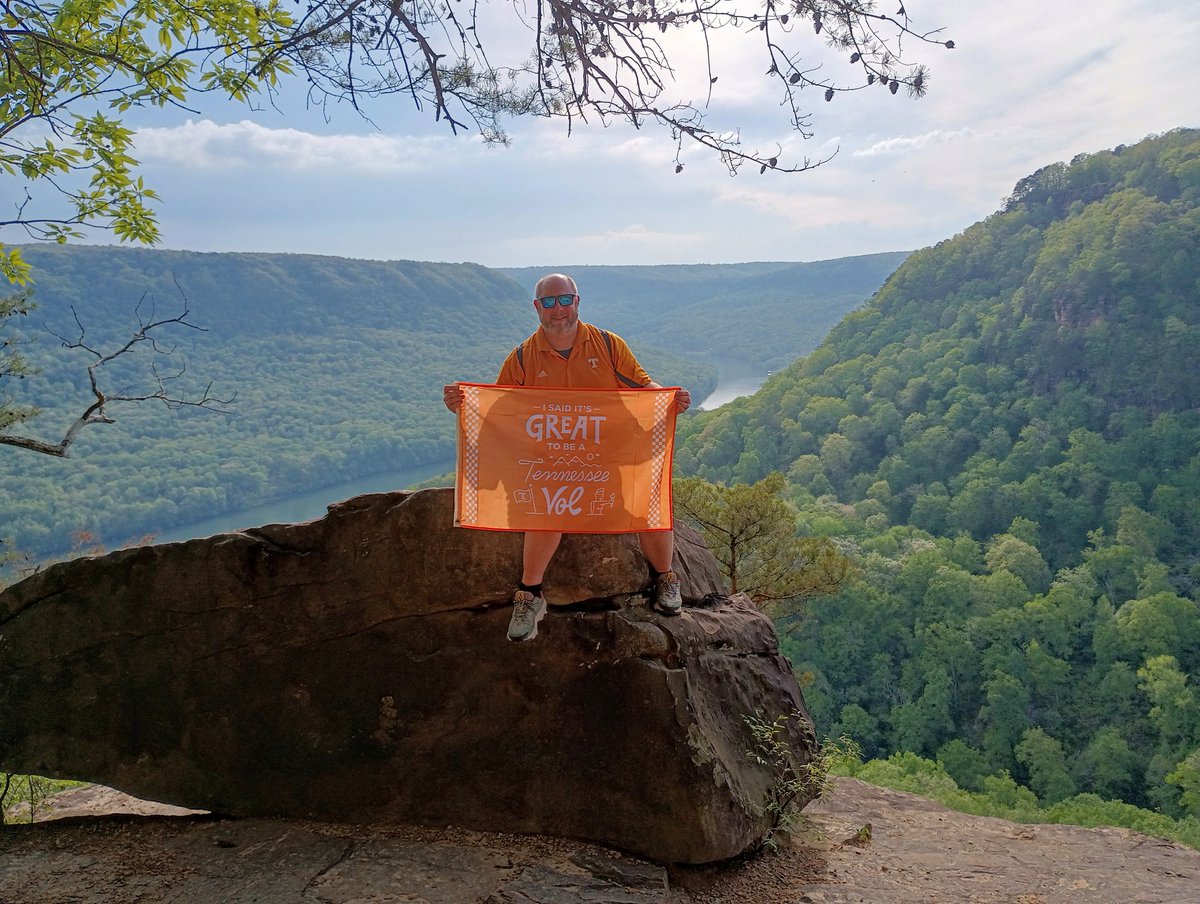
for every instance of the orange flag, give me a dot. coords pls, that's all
(586, 461)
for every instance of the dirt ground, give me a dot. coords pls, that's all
(102, 846)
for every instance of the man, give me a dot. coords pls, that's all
(564, 352)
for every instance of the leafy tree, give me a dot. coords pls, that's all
(65, 62)
(1186, 776)
(949, 590)
(1115, 567)
(1108, 765)
(1020, 558)
(1175, 711)
(1140, 531)
(836, 452)
(12, 364)
(1161, 624)
(68, 71)
(1049, 680)
(1004, 718)
(1024, 529)
(751, 530)
(924, 724)
(1002, 790)
(1043, 756)
(855, 722)
(962, 762)
(1115, 699)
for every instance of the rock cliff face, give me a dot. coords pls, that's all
(356, 669)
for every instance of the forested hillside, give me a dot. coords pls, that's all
(334, 366)
(766, 314)
(1006, 442)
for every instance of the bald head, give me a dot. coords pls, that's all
(555, 284)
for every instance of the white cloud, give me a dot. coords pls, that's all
(1027, 86)
(909, 144)
(209, 145)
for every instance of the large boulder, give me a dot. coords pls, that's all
(356, 668)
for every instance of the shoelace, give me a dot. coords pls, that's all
(523, 606)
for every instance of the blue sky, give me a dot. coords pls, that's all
(1030, 83)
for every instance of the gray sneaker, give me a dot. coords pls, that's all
(667, 598)
(528, 610)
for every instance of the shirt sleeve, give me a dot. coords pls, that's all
(626, 363)
(511, 371)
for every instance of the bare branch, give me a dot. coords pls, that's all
(599, 59)
(147, 332)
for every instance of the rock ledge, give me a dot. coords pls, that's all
(356, 669)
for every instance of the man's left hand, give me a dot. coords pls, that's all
(683, 400)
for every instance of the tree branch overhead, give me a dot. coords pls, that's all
(609, 60)
(69, 69)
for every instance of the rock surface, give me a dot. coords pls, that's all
(356, 669)
(918, 852)
(201, 860)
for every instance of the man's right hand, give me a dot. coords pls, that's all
(452, 395)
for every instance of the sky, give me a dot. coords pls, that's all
(1029, 83)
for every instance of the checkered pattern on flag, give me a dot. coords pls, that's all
(586, 461)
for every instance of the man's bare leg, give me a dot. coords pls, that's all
(535, 557)
(658, 546)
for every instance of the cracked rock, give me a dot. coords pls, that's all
(355, 669)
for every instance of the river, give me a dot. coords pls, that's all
(304, 506)
(734, 379)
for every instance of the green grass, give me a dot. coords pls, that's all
(23, 797)
(1005, 799)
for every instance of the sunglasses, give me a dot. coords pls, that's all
(563, 300)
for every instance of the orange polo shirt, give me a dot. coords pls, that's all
(590, 364)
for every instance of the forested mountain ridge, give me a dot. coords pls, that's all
(328, 360)
(335, 368)
(336, 365)
(766, 314)
(1057, 314)
(241, 292)
(1007, 442)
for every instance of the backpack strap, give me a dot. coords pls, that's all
(612, 359)
(520, 353)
